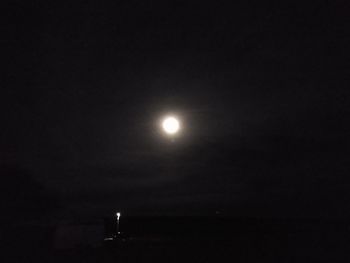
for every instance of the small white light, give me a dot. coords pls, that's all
(118, 215)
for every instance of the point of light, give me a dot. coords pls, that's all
(118, 215)
(171, 125)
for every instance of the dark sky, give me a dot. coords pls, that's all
(262, 90)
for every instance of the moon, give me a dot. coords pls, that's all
(171, 125)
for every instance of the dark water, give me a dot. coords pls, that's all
(191, 240)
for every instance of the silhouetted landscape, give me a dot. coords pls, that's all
(187, 239)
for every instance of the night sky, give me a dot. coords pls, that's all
(261, 89)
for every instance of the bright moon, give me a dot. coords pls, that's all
(171, 125)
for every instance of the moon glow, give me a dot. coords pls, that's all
(170, 125)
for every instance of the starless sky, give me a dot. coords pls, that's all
(261, 90)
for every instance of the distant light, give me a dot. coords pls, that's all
(171, 125)
(118, 215)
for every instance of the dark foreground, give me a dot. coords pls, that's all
(190, 240)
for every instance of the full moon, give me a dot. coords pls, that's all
(171, 125)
